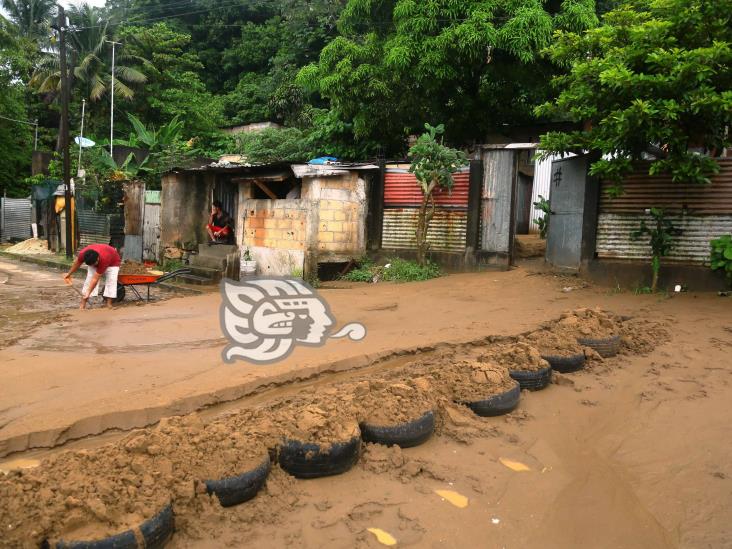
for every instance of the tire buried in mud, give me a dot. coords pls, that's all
(496, 405)
(566, 364)
(155, 532)
(605, 347)
(311, 460)
(240, 488)
(404, 435)
(532, 380)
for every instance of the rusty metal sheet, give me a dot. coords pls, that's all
(643, 191)
(402, 189)
(446, 233)
(692, 245)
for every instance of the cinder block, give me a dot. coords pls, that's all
(326, 215)
(270, 223)
(325, 236)
(339, 215)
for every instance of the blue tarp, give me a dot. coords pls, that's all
(323, 160)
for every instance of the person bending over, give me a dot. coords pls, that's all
(100, 259)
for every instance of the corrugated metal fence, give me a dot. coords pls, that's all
(402, 197)
(97, 228)
(15, 219)
(702, 213)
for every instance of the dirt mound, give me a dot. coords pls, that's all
(514, 356)
(32, 246)
(589, 323)
(92, 494)
(466, 380)
(381, 403)
(129, 267)
(641, 336)
(551, 343)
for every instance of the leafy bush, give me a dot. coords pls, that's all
(543, 222)
(721, 257)
(395, 270)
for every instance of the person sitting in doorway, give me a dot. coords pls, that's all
(101, 259)
(220, 225)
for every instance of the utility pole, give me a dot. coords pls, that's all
(111, 110)
(65, 129)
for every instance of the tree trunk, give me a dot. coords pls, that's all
(423, 222)
(656, 266)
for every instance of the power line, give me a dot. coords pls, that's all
(20, 121)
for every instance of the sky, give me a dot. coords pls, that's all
(67, 3)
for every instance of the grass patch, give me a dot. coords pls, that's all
(395, 270)
(172, 264)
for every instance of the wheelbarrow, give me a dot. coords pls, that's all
(132, 280)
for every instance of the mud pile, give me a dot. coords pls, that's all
(514, 356)
(92, 494)
(551, 343)
(129, 267)
(32, 246)
(640, 336)
(383, 403)
(587, 323)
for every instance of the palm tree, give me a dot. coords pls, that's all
(88, 38)
(32, 17)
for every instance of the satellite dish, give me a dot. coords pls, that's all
(83, 142)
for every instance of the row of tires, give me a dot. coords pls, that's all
(308, 460)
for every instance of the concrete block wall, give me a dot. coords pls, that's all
(342, 212)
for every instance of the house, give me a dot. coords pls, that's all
(292, 218)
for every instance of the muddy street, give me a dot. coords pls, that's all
(630, 451)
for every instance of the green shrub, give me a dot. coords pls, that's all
(721, 257)
(395, 270)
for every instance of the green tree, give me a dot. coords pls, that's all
(31, 16)
(173, 86)
(472, 63)
(652, 82)
(433, 165)
(16, 138)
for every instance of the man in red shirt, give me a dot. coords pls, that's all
(100, 259)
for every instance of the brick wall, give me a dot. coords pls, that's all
(283, 227)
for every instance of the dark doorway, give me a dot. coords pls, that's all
(524, 188)
(227, 192)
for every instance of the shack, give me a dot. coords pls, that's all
(292, 218)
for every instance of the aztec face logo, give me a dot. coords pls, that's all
(265, 318)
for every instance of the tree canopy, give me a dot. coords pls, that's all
(653, 82)
(473, 64)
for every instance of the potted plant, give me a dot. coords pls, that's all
(248, 263)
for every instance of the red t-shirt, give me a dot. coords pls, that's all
(108, 256)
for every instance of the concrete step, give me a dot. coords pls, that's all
(205, 272)
(208, 262)
(196, 280)
(216, 250)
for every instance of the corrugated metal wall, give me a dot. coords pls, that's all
(692, 246)
(15, 219)
(702, 213)
(542, 180)
(402, 196)
(151, 227)
(96, 228)
(499, 175)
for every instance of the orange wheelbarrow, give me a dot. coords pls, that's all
(131, 280)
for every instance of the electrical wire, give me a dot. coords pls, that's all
(19, 121)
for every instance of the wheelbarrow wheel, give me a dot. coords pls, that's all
(120, 293)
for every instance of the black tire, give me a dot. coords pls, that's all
(566, 364)
(309, 460)
(234, 490)
(496, 405)
(605, 347)
(158, 530)
(125, 540)
(155, 531)
(404, 435)
(532, 380)
(120, 294)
